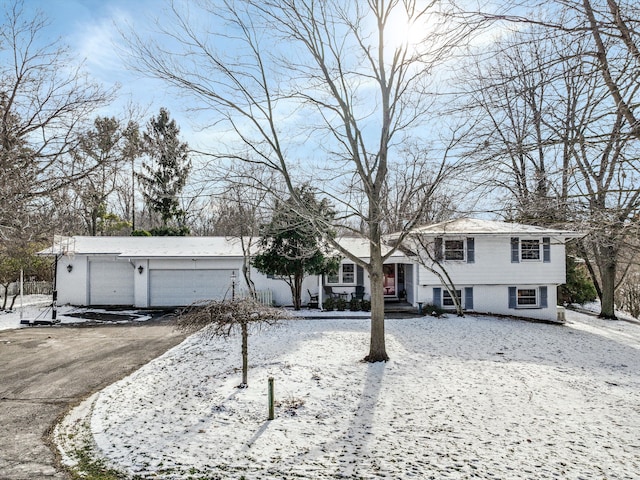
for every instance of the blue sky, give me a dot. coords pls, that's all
(90, 28)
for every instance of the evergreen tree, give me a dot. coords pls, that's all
(292, 248)
(165, 175)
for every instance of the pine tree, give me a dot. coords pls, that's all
(165, 174)
(292, 247)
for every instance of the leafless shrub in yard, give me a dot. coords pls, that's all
(224, 318)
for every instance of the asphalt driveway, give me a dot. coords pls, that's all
(46, 370)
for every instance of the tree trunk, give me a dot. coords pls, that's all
(245, 356)
(6, 295)
(608, 284)
(377, 348)
(13, 301)
(297, 291)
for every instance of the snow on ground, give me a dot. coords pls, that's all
(472, 397)
(38, 307)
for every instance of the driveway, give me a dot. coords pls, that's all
(46, 370)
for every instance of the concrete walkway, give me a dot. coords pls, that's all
(46, 370)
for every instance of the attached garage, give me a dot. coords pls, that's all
(111, 282)
(168, 288)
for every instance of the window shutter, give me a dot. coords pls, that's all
(438, 254)
(543, 297)
(546, 249)
(515, 250)
(468, 298)
(513, 301)
(471, 250)
(359, 275)
(437, 296)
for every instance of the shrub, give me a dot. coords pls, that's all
(433, 310)
(329, 304)
(366, 305)
(354, 305)
(341, 304)
(579, 287)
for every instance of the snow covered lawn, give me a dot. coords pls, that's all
(473, 397)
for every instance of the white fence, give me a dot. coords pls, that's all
(28, 288)
(265, 297)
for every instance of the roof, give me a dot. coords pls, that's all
(174, 247)
(474, 226)
(148, 247)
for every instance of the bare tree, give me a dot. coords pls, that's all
(44, 98)
(316, 91)
(224, 318)
(101, 151)
(560, 144)
(612, 26)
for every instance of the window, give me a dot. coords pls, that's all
(454, 249)
(530, 249)
(527, 297)
(346, 274)
(460, 249)
(447, 300)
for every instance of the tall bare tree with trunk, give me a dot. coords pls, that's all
(562, 144)
(323, 92)
(45, 98)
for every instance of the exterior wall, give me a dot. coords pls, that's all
(494, 299)
(280, 290)
(493, 265)
(491, 274)
(72, 286)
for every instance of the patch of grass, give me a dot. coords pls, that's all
(89, 468)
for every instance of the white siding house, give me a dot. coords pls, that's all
(495, 267)
(149, 272)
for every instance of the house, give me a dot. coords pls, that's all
(496, 267)
(148, 272)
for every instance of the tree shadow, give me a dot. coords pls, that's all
(352, 444)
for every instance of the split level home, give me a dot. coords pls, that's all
(491, 266)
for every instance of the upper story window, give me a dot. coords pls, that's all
(454, 249)
(530, 249)
(346, 274)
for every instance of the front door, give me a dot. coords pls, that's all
(389, 272)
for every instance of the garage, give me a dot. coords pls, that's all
(111, 282)
(169, 288)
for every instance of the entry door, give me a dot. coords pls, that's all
(389, 272)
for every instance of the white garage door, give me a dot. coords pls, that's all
(110, 283)
(172, 288)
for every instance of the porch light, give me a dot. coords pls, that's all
(69, 268)
(140, 269)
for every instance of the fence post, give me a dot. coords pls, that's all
(271, 409)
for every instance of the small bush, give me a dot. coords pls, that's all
(341, 304)
(366, 305)
(329, 304)
(433, 310)
(354, 305)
